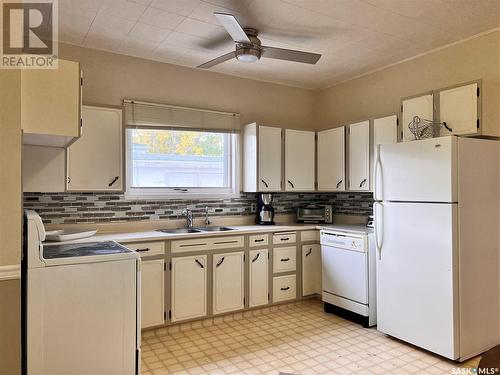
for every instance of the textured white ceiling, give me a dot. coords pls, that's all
(354, 36)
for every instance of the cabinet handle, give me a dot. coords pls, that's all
(69, 180)
(285, 288)
(259, 240)
(256, 257)
(309, 252)
(265, 183)
(142, 250)
(285, 239)
(339, 183)
(362, 183)
(291, 184)
(285, 259)
(220, 262)
(199, 263)
(113, 181)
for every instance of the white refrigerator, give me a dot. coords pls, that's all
(436, 213)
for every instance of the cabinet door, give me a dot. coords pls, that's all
(269, 159)
(95, 159)
(458, 107)
(421, 106)
(311, 269)
(259, 277)
(51, 100)
(359, 156)
(228, 280)
(152, 292)
(385, 130)
(299, 160)
(189, 287)
(331, 159)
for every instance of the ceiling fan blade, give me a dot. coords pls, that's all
(232, 27)
(217, 60)
(290, 55)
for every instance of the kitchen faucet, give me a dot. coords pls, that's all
(189, 217)
(207, 221)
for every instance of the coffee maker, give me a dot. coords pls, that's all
(265, 212)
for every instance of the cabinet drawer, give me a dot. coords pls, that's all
(183, 246)
(146, 249)
(227, 242)
(203, 244)
(258, 240)
(284, 259)
(309, 235)
(284, 288)
(288, 237)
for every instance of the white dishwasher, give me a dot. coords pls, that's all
(348, 276)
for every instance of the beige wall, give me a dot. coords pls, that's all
(380, 93)
(10, 331)
(109, 78)
(10, 218)
(10, 167)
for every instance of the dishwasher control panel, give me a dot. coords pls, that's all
(343, 240)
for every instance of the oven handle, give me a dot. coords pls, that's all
(378, 209)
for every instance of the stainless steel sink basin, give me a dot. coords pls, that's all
(180, 230)
(215, 229)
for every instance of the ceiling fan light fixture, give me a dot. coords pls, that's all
(247, 54)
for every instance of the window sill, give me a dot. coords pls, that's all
(177, 196)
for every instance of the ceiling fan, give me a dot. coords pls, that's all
(249, 48)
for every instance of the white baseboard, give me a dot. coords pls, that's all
(10, 272)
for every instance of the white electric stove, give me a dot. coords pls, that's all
(81, 306)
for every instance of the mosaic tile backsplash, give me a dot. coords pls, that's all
(70, 208)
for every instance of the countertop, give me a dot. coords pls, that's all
(131, 237)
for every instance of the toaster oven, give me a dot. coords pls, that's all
(315, 214)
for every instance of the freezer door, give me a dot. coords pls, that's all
(417, 284)
(418, 171)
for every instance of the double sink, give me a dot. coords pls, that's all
(196, 230)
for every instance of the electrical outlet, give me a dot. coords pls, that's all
(253, 207)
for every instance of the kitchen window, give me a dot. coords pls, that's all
(178, 152)
(174, 162)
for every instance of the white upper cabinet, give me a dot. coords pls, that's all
(94, 161)
(385, 130)
(459, 109)
(228, 282)
(261, 158)
(189, 287)
(331, 159)
(299, 160)
(421, 106)
(359, 156)
(51, 104)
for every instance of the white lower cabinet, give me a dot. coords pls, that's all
(152, 293)
(189, 287)
(311, 269)
(258, 277)
(284, 259)
(284, 288)
(228, 282)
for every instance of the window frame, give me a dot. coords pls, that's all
(232, 191)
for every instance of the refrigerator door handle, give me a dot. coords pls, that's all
(378, 165)
(379, 213)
